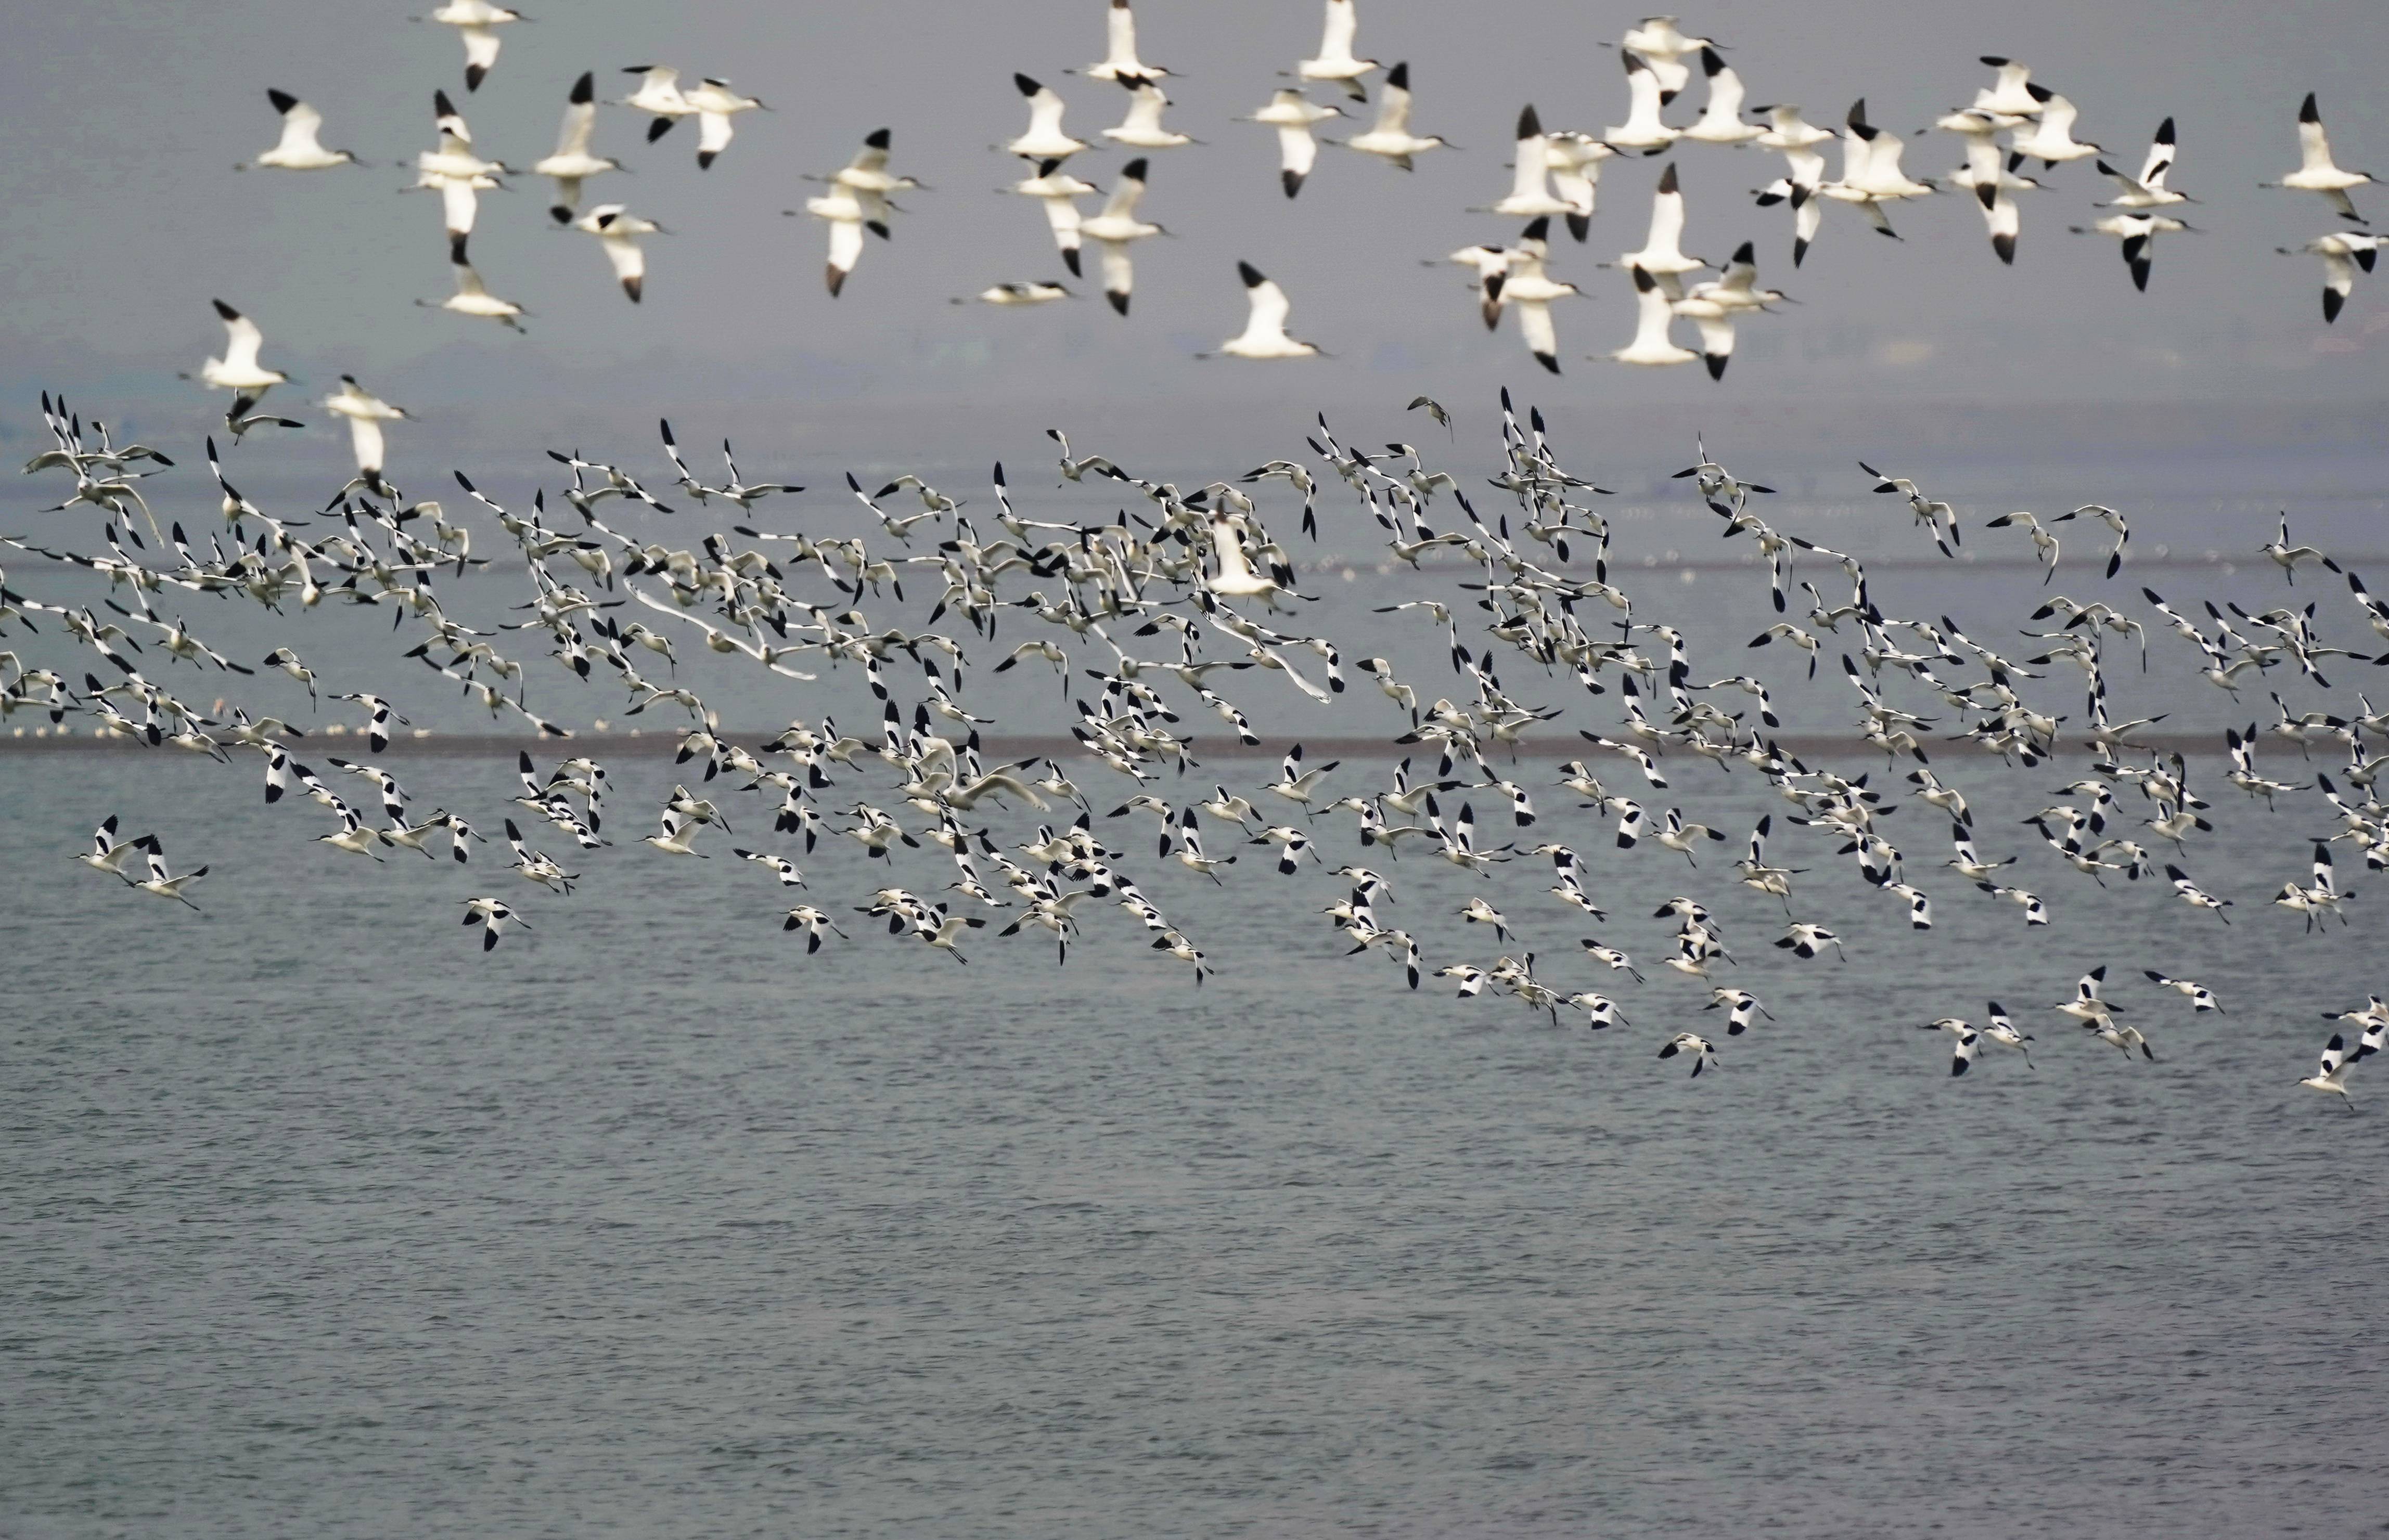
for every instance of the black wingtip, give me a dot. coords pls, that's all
(877, 138)
(584, 90)
(1745, 253)
(1530, 124)
(1070, 259)
(1540, 229)
(1398, 77)
(474, 75)
(1028, 87)
(2309, 113)
(1119, 301)
(1251, 275)
(283, 101)
(1134, 169)
(2165, 132)
(1995, 61)
(227, 311)
(1710, 63)
(441, 104)
(1717, 363)
(1668, 178)
(1290, 180)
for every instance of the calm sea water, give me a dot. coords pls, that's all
(317, 1221)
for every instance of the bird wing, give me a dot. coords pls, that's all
(1062, 214)
(1269, 309)
(1119, 36)
(2314, 149)
(300, 126)
(1535, 325)
(364, 437)
(630, 261)
(457, 205)
(480, 47)
(1125, 194)
(1724, 105)
(1667, 222)
(1717, 335)
(714, 130)
(1393, 111)
(1343, 24)
(579, 119)
(1118, 272)
(1531, 168)
(2160, 161)
(1045, 113)
(242, 340)
(1144, 109)
(845, 244)
(1654, 317)
(1298, 151)
(1642, 93)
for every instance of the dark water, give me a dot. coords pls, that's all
(317, 1221)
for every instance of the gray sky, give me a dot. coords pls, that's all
(125, 117)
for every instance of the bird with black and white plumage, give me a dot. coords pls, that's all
(1264, 336)
(494, 915)
(2138, 233)
(572, 163)
(1335, 62)
(2201, 997)
(110, 854)
(843, 212)
(475, 22)
(1293, 115)
(2317, 171)
(1966, 1042)
(812, 922)
(457, 173)
(1698, 1047)
(1117, 228)
(2330, 1073)
(1805, 941)
(1999, 1028)
(1044, 139)
(1389, 138)
(2149, 189)
(1742, 1008)
(1524, 287)
(2342, 253)
(660, 95)
(158, 884)
(2048, 135)
(717, 106)
(1642, 132)
(300, 146)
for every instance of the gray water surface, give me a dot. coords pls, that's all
(317, 1221)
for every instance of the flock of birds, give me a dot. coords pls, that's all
(1162, 608)
(2011, 124)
